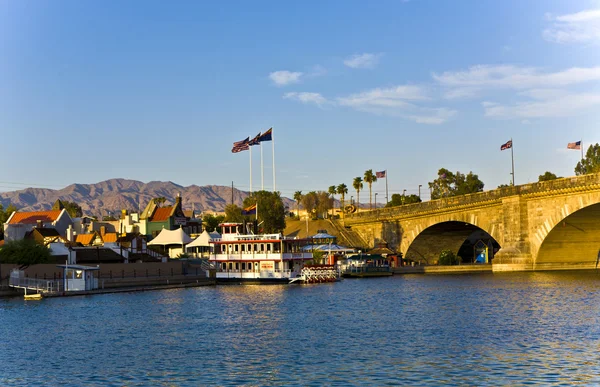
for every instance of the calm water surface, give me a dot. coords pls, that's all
(509, 329)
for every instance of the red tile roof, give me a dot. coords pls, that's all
(33, 217)
(110, 237)
(161, 214)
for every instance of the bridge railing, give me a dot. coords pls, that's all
(570, 183)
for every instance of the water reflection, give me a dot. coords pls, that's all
(526, 328)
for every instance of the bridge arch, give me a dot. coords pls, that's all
(425, 240)
(569, 236)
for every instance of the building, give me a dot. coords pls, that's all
(21, 223)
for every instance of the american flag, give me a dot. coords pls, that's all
(506, 145)
(241, 145)
(380, 175)
(574, 145)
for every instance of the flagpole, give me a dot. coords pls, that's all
(512, 145)
(250, 148)
(582, 154)
(262, 169)
(273, 143)
(386, 187)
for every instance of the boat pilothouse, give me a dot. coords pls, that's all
(240, 255)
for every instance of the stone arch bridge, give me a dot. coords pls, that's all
(540, 226)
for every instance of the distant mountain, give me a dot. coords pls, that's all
(116, 194)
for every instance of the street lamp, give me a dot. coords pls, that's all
(419, 191)
(351, 199)
(403, 196)
(375, 200)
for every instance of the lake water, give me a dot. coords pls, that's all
(492, 329)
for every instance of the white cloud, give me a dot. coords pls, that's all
(559, 106)
(461, 92)
(397, 101)
(362, 61)
(582, 26)
(284, 77)
(389, 97)
(307, 98)
(514, 77)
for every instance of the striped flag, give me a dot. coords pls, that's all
(241, 145)
(380, 175)
(506, 145)
(574, 145)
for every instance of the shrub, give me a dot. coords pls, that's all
(447, 257)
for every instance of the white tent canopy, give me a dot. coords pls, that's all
(204, 239)
(171, 237)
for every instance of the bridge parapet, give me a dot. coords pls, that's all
(546, 188)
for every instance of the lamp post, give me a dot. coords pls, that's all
(419, 191)
(351, 199)
(403, 196)
(375, 200)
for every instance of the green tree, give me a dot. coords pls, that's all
(298, 199)
(370, 178)
(332, 191)
(454, 184)
(270, 210)
(4, 215)
(309, 202)
(399, 200)
(548, 176)
(342, 189)
(211, 222)
(324, 202)
(233, 214)
(24, 252)
(73, 209)
(591, 161)
(358, 186)
(160, 201)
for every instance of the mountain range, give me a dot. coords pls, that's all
(113, 195)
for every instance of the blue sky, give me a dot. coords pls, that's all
(154, 90)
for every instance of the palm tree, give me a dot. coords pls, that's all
(342, 189)
(332, 191)
(358, 185)
(370, 178)
(298, 199)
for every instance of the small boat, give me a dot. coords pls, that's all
(243, 257)
(365, 265)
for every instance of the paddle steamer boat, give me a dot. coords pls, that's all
(241, 256)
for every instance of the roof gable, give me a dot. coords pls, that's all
(33, 217)
(109, 237)
(85, 239)
(162, 214)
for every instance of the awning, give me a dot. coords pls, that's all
(204, 239)
(333, 248)
(171, 237)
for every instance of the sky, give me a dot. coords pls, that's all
(153, 90)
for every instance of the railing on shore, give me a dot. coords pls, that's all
(39, 285)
